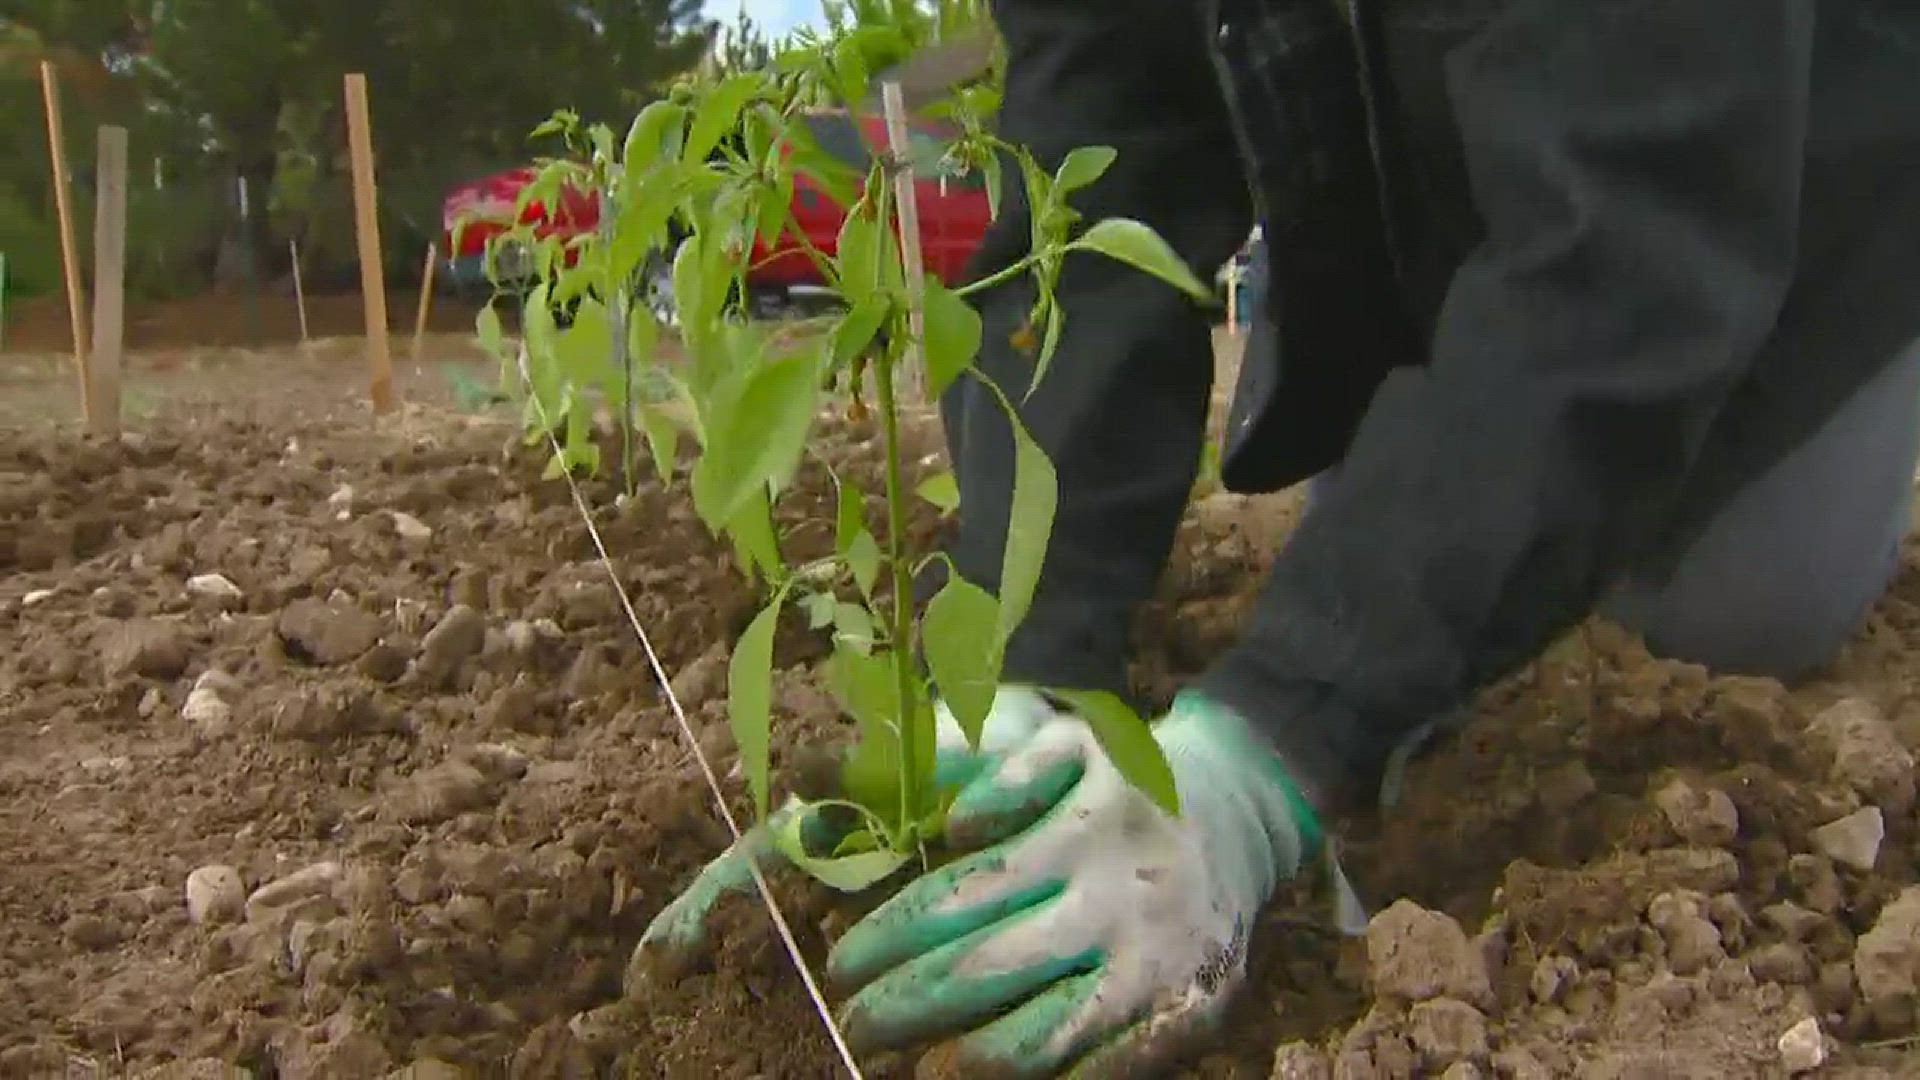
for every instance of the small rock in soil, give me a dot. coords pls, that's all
(1414, 954)
(215, 894)
(152, 648)
(1853, 840)
(498, 761)
(1867, 754)
(195, 1069)
(1300, 1061)
(327, 633)
(315, 880)
(1699, 815)
(215, 587)
(1803, 1048)
(207, 712)
(1886, 959)
(459, 634)
(410, 527)
(427, 1069)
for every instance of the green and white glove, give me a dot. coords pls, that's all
(1112, 931)
(679, 931)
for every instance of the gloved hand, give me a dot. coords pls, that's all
(679, 931)
(1122, 929)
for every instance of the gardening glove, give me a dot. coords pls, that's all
(1113, 931)
(680, 929)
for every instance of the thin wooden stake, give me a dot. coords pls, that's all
(69, 258)
(366, 220)
(109, 278)
(426, 300)
(299, 291)
(912, 264)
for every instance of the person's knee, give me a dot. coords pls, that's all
(1762, 623)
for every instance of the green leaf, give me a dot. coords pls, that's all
(754, 537)
(865, 688)
(853, 624)
(963, 650)
(1082, 167)
(758, 439)
(854, 334)
(941, 489)
(1128, 740)
(1136, 244)
(647, 141)
(1036, 497)
(819, 608)
(719, 113)
(849, 517)
(846, 873)
(750, 698)
(492, 337)
(953, 335)
(863, 558)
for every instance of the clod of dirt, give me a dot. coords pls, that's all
(1853, 840)
(702, 680)
(1693, 941)
(317, 880)
(1447, 1032)
(498, 761)
(1886, 960)
(1415, 955)
(1702, 816)
(151, 648)
(459, 634)
(427, 1069)
(444, 791)
(1785, 962)
(217, 587)
(215, 894)
(330, 712)
(1867, 754)
(1300, 1061)
(320, 632)
(1552, 975)
(1803, 1048)
(196, 1069)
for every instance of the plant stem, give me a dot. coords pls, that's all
(902, 654)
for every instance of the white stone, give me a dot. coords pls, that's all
(1853, 840)
(342, 497)
(1803, 1048)
(215, 894)
(214, 585)
(207, 711)
(410, 527)
(314, 880)
(35, 597)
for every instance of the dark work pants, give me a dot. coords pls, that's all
(1772, 583)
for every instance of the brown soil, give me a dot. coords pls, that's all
(450, 795)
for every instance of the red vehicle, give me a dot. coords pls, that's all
(953, 209)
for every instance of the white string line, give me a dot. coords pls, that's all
(686, 731)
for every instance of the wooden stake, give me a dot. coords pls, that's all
(109, 278)
(366, 220)
(69, 258)
(299, 292)
(426, 299)
(912, 264)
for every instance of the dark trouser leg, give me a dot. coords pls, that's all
(1782, 575)
(1122, 410)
